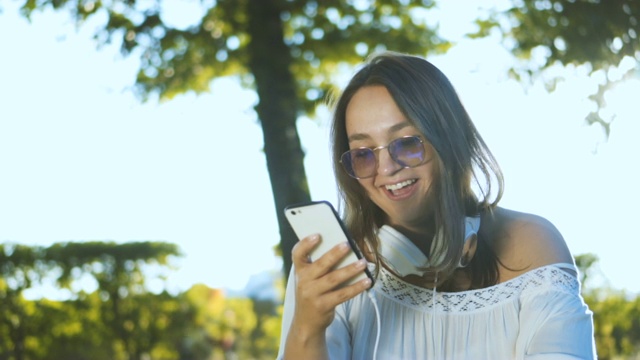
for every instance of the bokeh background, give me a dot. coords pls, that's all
(115, 209)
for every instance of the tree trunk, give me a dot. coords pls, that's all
(270, 62)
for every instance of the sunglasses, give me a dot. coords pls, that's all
(362, 163)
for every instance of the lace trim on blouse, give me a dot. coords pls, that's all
(546, 277)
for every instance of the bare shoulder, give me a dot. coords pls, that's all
(523, 242)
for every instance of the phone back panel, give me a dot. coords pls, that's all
(321, 218)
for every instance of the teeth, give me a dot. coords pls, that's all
(399, 185)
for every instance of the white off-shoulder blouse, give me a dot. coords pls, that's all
(537, 315)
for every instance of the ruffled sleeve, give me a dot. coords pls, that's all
(287, 315)
(555, 323)
(338, 335)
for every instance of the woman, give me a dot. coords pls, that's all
(457, 276)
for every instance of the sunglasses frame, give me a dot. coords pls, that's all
(375, 156)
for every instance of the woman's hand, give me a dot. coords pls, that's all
(318, 292)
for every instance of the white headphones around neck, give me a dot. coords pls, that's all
(405, 258)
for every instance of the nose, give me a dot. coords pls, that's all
(386, 165)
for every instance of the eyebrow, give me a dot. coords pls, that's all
(394, 129)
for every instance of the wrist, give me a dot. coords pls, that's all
(307, 334)
(306, 342)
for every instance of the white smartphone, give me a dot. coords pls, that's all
(320, 217)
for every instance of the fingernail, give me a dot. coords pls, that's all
(360, 264)
(344, 245)
(314, 238)
(366, 283)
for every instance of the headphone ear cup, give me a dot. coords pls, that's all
(471, 228)
(468, 250)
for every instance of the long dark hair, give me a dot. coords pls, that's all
(429, 101)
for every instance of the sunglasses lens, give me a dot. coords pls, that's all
(407, 151)
(359, 163)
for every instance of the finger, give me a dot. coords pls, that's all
(343, 294)
(332, 257)
(338, 277)
(312, 277)
(301, 250)
(329, 291)
(324, 264)
(314, 310)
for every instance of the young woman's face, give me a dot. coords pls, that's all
(373, 119)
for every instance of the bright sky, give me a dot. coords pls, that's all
(81, 159)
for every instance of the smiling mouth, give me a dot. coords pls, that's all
(400, 185)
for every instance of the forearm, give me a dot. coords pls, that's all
(302, 344)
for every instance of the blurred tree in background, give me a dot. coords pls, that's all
(616, 315)
(121, 318)
(290, 52)
(599, 34)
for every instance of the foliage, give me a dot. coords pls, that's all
(290, 52)
(599, 33)
(616, 315)
(577, 31)
(121, 318)
(616, 323)
(320, 35)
